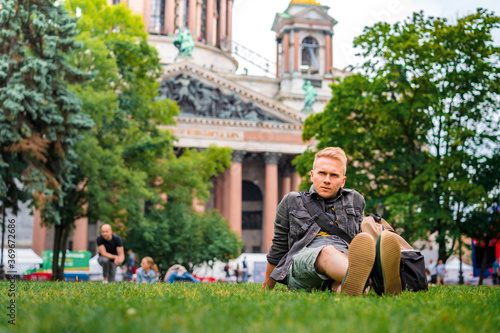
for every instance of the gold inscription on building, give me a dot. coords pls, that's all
(207, 133)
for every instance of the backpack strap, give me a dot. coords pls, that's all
(377, 218)
(321, 219)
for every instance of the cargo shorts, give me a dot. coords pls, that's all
(303, 275)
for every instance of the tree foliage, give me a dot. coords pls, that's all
(127, 162)
(418, 121)
(178, 234)
(41, 119)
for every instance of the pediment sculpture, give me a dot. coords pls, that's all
(197, 99)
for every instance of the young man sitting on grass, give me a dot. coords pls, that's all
(305, 255)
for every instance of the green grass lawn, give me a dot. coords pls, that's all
(126, 307)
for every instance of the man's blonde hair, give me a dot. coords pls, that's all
(332, 152)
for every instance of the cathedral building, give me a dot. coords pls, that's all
(259, 117)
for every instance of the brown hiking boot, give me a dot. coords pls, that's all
(361, 256)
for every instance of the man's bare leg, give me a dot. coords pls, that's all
(332, 263)
(337, 287)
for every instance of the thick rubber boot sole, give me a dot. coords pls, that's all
(390, 258)
(361, 256)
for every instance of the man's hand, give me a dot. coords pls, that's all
(120, 258)
(269, 282)
(118, 261)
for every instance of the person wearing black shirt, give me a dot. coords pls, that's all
(111, 252)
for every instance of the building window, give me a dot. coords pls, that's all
(157, 19)
(186, 15)
(251, 220)
(116, 2)
(203, 31)
(310, 51)
(252, 206)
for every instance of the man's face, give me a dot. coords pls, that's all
(106, 233)
(328, 177)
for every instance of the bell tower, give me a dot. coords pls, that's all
(304, 51)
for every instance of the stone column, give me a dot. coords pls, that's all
(235, 192)
(39, 237)
(222, 24)
(169, 17)
(226, 194)
(328, 51)
(270, 198)
(80, 234)
(286, 52)
(210, 22)
(179, 14)
(296, 49)
(229, 28)
(295, 181)
(146, 15)
(192, 17)
(199, 10)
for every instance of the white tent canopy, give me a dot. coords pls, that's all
(452, 267)
(24, 259)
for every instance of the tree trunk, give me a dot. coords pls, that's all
(60, 241)
(484, 261)
(64, 242)
(57, 247)
(442, 253)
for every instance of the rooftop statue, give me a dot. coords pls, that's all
(185, 43)
(310, 96)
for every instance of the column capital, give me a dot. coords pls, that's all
(278, 40)
(328, 33)
(271, 158)
(238, 156)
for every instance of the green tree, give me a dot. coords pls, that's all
(127, 161)
(41, 119)
(417, 121)
(181, 235)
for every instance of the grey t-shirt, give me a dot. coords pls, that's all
(323, 238)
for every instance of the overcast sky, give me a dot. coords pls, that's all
(252, 21)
